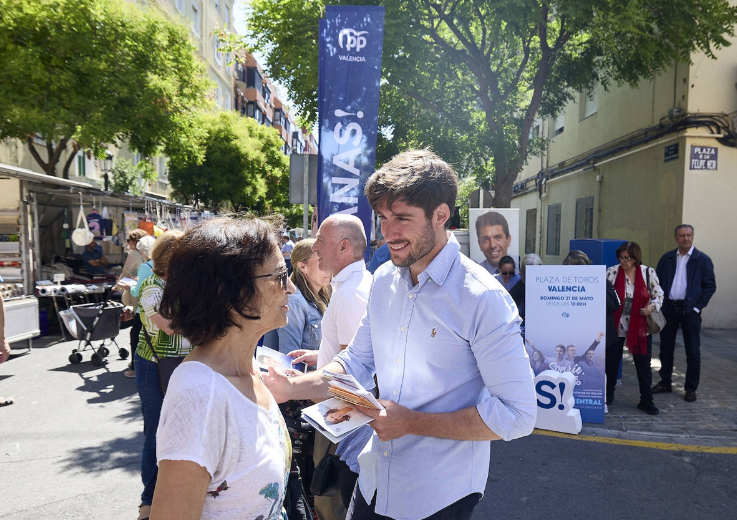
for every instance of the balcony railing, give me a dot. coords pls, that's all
(240, 73)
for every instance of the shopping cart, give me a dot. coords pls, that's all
(94, 322)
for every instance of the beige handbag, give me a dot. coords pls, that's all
(82, 235)
(129, 300)
(656, 319)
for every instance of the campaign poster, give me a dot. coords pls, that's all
(494, 234)
(565, 329)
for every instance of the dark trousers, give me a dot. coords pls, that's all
(642, 366)
(135, 332)
(460, 510)
(690, 323)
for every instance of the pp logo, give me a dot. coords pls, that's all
(555, 402)
(353, 39)
(566, 315)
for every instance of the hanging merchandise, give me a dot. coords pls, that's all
(94, 221)
(160, 221)
(130, 222)
(82, 235)
(146, 223)
(106, 223)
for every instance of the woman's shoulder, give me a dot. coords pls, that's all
(152, 281)
(297, 300)
(193, 379)
(297, 296)
(647, 270)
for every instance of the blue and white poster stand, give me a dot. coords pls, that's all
(565, 328)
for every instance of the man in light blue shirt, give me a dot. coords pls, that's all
(442, 337)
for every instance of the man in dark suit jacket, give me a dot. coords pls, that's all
(687, 278)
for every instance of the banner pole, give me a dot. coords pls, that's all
(306, 193)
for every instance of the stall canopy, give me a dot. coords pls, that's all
(49, 206)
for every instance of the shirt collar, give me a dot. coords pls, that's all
(344, 273)
(690, 252)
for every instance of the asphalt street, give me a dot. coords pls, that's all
(69, 448)
(541, 477)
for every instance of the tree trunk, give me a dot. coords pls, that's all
(49, 167)
(70, 160)
(503, 187)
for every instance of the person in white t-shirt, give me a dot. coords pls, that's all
(339, 244)
(222, 446)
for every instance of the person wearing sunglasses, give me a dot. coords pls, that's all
(506, 274)
(222, 446)
(639, 288)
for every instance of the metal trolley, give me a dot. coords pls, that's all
(94, 322)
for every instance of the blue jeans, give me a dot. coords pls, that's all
(147, 381)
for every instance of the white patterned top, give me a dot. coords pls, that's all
(245, 448)
(656, 294)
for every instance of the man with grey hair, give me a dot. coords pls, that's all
(339, 245)
(687, 278)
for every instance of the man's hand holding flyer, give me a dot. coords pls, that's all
(337, 417)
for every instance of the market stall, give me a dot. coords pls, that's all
(41, 265)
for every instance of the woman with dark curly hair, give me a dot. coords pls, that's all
(221, 433)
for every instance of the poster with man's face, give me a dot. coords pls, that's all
(494, 234)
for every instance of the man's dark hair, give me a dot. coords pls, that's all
(211, 275)
(419, 178)
(492, 218)
(684, 226)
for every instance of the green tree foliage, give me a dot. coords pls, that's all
(126, 178)
(243, 166)
(470, 76)
(465, 188)
(83, 73)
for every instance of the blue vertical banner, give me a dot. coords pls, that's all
(349, 76)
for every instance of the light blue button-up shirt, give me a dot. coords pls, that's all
(450, 342)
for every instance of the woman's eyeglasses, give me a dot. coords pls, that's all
(506, 273)
(624, 258)
(282, 277)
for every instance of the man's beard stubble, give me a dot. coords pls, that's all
(425, 243)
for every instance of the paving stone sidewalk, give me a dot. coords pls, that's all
(710, 421)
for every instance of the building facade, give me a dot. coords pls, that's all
(632, 164)
(256, 96)
(202, 17)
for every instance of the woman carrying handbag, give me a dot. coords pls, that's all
(639, 289)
